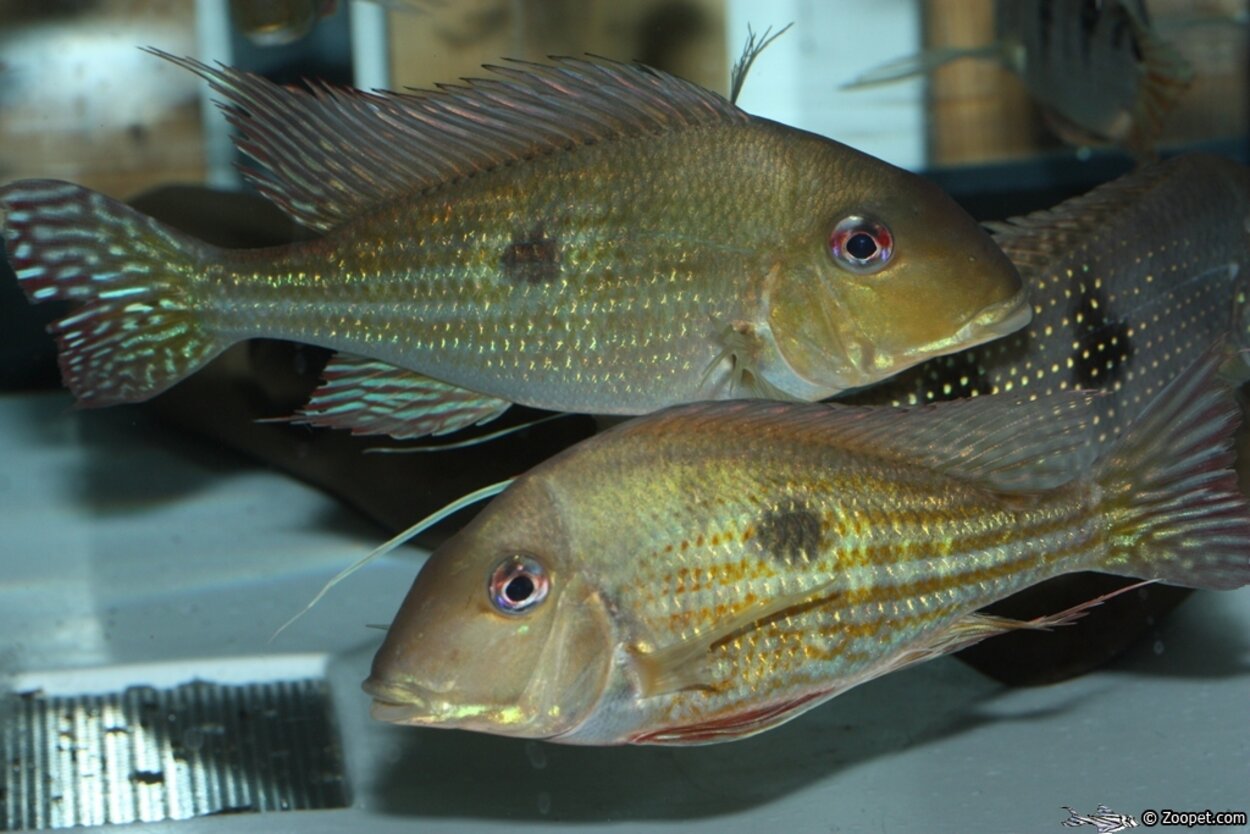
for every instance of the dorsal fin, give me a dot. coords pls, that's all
(1007, 442)
(754, 46)
(1033, 240)
(332, 152)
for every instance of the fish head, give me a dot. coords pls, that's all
(500, 633)
(891, 272)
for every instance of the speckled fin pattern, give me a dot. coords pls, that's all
(135, 330)
(372, 397)
(1034, 241)
(1006, 442)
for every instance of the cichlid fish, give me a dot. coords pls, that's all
(1096, 67)
(711, 571)
(579, 236)
(1130, 284)
(282, 22)
(279, 22)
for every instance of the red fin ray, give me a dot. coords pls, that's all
(735, 725)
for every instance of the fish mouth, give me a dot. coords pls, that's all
(999, 319)
(1002, 318)
(406, 714)
(415, 706)
(398, 704)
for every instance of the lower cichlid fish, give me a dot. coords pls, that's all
(576, 236)
(711, 571)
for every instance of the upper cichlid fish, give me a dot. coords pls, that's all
(711, 571)
(577, 236)
(1099, 72)
(1130, 284)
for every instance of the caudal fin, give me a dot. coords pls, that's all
(135, 329)
(1170, 494)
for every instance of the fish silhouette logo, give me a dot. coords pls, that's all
(1104, 820)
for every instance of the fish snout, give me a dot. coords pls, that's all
(996, 320)
(403, 703)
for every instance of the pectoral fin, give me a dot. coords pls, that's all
(687, 663)
(372, 397)
(743, 347)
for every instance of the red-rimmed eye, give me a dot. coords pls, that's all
(518, 583)
(861, 245)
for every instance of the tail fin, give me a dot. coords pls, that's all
(135, 331)
(1170, 494)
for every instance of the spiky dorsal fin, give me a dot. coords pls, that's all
(1034, 240)
(1007, 443)
(750, 51)
(332, 152)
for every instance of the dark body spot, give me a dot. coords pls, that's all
(792, 534)
(532, 257)
(1103, 346)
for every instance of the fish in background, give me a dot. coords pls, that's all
(1097, 68)
(282, 22)
(1130, 284)
(713, 570)
(582, 235)
(279, 22)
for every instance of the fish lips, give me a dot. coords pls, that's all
(413, 705)
(995, 321)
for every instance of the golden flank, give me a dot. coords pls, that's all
(711, 571)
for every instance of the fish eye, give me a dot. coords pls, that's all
(861, 245)
(518, 583)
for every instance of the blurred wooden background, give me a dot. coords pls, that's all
(982, 112)
(79, 101)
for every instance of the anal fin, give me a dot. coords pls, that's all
(973, 628)
(372, 397)
(732, 726)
